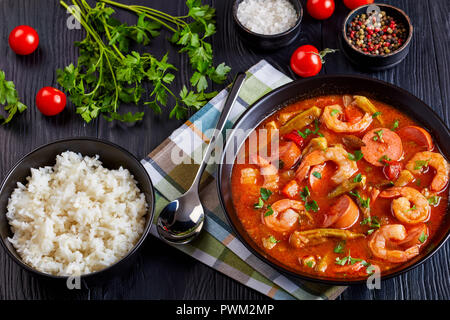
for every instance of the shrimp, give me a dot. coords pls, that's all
(425, 159)
(401, 207)
(389, 235)
(331, 120)
(268, 171)
(285, 215)
(337, 154)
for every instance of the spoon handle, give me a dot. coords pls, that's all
(232, 96)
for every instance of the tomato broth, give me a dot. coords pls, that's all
(347, 248)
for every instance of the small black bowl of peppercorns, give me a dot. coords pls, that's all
(376, 36)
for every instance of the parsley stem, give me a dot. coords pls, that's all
(100, 76)
(147, 14)
(108, 35)
(115, 83)
(176, 20)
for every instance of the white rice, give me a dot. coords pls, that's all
(76, 217)
(267, 16)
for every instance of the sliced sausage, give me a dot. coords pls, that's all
(389, 146)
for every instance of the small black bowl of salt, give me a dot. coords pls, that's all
(268, 24)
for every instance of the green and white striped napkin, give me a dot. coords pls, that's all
(217, 246)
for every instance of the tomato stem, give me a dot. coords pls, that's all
(323, 53)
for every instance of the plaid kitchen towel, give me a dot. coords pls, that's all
(172, 167)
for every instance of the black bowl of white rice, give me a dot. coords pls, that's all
(268, 24)
(75, 208)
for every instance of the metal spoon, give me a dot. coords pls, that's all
(182, 219)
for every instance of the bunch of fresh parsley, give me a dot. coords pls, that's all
(9, 99)
(108, 73)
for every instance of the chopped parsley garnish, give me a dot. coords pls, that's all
(434, 200)
(339, 247)
(349, 260)
(342, 261)
(369, 267)
(304, 134)
(395, 125)
(316, 174)
(365, 203)
(309, 205)
(273, 240)
(371, 222)
(412, 208)
(316, 128)
(269, 211)
(357, 178)
(304, 194)
(379, 136)
(376, 114)
(312, 206)
(358, 155)
(309, 131)
(384, 160)
(334, 112)
(310, 264)
(423, 237)
(265, 193)
(419, 164)
(260, 204)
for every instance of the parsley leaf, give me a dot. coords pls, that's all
(423, 237)
(379, 135)
(371, 222)
(419, 164)
(316, 174)
(304, 194)
(384, 160)
(312, 206)
(269, 211)
(340, 247)
(395, 125)
(334, 112)
(10, 97)
(434, 200)
(260, 204)
(376, 114)
(358, 155)
(357, 178)
(272, 239)
(265, 193)
(365, 203)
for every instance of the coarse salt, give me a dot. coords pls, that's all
(267, 16)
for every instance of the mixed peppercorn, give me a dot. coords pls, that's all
(376, 33)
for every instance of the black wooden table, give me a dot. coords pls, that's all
(162, 272)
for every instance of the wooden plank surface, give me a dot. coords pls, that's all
(162, 272)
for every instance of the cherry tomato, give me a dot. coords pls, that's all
(50, 101)
(320, 9)
(392, 170)
(352, 4)
(307, 61)
(23, 40)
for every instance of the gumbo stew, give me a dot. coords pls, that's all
(352, 186)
